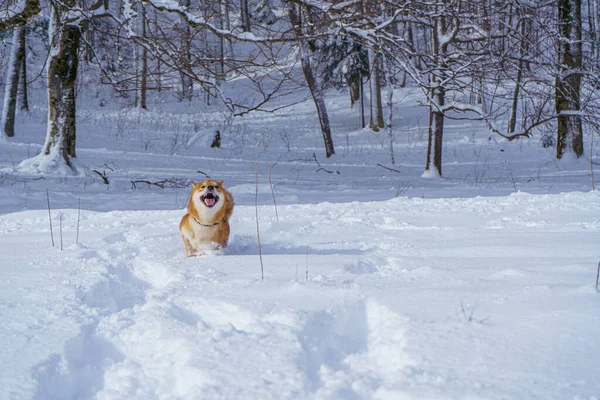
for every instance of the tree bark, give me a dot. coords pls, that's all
(568, 80)
(24, 98)
(438, 98)
(436, 133)
(228, 45)
(362, 104)
(245, 14)
(62, 74)
(389, 126)
(512, 122)
(12, 81)
(144, 63)
(354, 86)
(376, 119)
(186, 81)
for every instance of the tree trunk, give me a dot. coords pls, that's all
(438, 97)
(225, 11)
(512, 122)
(376, 119)
(390, 104)
(62, 75)
(312, 81)
(568, 80)
(245, 14)
(317, 95)
(158, 73)
(24, 98)
(362, 104)
(186, 81)
(435, 134)
(144, 63)
(17, 54)
(354, 86)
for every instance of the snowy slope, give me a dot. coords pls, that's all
(406, 298)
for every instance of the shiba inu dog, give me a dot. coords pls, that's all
(206, 224)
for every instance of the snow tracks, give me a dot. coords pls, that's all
(387, 300)
(150, 324)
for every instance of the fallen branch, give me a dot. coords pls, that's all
(174, 183)
(102, 175)
(323, 169)
(389, 169)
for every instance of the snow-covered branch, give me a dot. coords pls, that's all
(19, 13)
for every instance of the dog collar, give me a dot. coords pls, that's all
(208, 226)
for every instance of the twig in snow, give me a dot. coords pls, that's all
(306, 265)
(389, 169)
(321, 167)
(514, 182)
(470, 317)
(102, 175)
(60, 230)
(50, 217)
(203, 173)
(78, 219)
(262, 271)
(402, 188)
(597, 275)
(173, 183)
(272, 191)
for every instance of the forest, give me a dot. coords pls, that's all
(523, 68)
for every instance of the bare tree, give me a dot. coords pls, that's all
(307, 49)
(568, 79)
(16, 16)
(245, 15)
(143, 61)
(372, 15)
(186, 37)
(17, 56)
(24, 97)
(62, 65)
(66, 21)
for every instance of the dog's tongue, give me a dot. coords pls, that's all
(210, 201)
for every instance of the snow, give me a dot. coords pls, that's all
(378, 284)
(481, 297)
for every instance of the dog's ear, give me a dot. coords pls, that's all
(194, 185)
(220, 184)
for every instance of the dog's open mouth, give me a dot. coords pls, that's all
(209, 199)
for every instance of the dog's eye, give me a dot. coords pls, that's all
(203, 187)
(216, 187)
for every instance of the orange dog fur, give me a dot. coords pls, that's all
(206, 224)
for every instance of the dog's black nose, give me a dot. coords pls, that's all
(211, 188)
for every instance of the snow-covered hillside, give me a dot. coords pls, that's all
(378, 283)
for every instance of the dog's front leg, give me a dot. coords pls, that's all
(188, 247)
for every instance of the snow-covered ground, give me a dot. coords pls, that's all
(377, 283)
